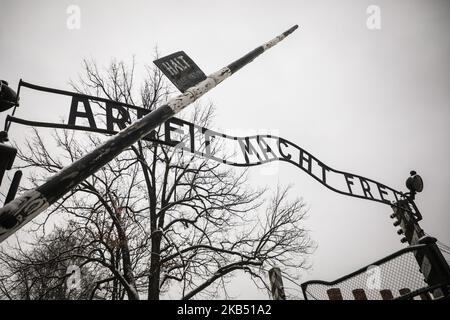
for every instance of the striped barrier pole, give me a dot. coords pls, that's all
(21, 210)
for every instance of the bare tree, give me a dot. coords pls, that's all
(158, 218)
(41, 271)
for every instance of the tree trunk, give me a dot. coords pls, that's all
(128, 268)
(154, 277)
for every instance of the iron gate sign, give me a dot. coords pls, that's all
(89, 113)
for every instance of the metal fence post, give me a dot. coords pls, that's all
(276, 282)
(431, 262)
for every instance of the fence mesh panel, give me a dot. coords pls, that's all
(385, 280)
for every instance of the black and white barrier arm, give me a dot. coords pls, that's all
(21, 210)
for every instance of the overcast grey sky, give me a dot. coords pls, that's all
(370, 102)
